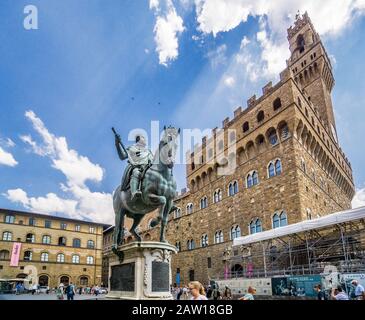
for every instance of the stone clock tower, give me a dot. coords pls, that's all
(311, 68)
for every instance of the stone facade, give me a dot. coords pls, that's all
(287, 165)
(53, 249)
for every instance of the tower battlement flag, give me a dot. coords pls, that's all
(15, 254)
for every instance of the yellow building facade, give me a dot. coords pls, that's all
(53, 250)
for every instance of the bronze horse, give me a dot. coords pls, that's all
(158, 191)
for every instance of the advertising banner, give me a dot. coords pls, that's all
(240, 286)
(15, 254)
(298, 286)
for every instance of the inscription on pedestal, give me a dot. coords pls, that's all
(160, 276)
(122, 278)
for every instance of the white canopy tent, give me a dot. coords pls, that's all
(323, 222)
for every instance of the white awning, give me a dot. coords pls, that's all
(326, 221)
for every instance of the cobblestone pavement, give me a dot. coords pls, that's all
(50, 296)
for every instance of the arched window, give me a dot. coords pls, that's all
(90, 260)
(255, 226)
(90, 244)
(218, 237)
(271, 170)
(245, 127)
(204, 240)
(43, 280)
(30, 238)
(192, 166)
(235, 232)
(9, 219)
(300, 43)
(249, 181)
(178, 245)
(60, 258)
(233, 188)
(189, 208)
(255, 178)
(76, 243)
(46, 239)
(260, 116)
(7, 236)
(84, 281)
(191, 244)
(230, 189)
(277, 104)
(220, 145)
(65, 280)
(177, 213)
(44, 256)
(278, 168)
(275, 221)
(4, 255)
(61, 241)
(203, 203)
(28, 256)
(75, 258)
(217, 196)
(283, 219)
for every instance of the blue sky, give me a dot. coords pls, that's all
(94, 64)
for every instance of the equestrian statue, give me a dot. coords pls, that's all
(147, 184)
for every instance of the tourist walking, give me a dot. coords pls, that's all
(216, 293)
(179, 293)
(70, 291)
(185, 294)
(320, 294)
(59, 292)
(359, 290)
(197, 291)
(227, 295)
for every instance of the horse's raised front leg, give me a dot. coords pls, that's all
(165, 217)
(161, 200)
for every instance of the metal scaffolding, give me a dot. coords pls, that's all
(339, 244)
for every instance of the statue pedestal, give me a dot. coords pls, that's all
(144, 274)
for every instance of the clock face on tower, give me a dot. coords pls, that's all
(334, 134)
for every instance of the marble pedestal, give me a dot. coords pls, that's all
(144, 274)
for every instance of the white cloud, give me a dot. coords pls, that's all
(229, 81)
(167, 28)
(77, 169)
(330, 18)
(8, 143)
(218, 56)
(7, 158)
(359, 199)
(245, 41)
